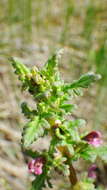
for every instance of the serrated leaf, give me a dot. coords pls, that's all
(89, 154)
(84, 186)
(66, 146)
(39, 182)
(60, 163)
(51, 64)
(26, 110)
(74, 135)
(33, 130)
(78, 92)
(49, 182)
(45, 123)
(47, 115)
(102, 152)
(19, 66)
(70, 149)
(33, 154)
(65, 169)
(84, 81)
(76, 123)
(72, 130)
(50, 68)
(68, 107)
(53, 61)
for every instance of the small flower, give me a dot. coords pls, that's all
(94, 138)
(92, 172)
(57, 122)
(35, 166)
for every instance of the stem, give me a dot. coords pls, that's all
(72, 176)
(52, 146)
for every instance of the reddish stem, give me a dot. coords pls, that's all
(72, 176)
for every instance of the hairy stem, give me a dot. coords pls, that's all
(72, 176)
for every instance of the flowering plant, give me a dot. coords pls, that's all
(49, 118)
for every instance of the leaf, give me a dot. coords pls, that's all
(33, 154)
(51, 64)
(72, 130)
(61, 165)
(65, 169)
(76, 123)
(102, 152)
(33, 130)
(84, 185)
(39, 182)
(68, 107)
(45, 123)
(74, 135)
(66, 146)
(27, 110)
(84, 81)
(49, 182)
(50, 68)
(30, 131)
(78, 92)
(47, 115)
(70, 149)
(89, 154)
(19, 66)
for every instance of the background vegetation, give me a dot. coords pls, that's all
(33, 30)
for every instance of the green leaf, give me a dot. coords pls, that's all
(33, 154)
(20, 68)
(49, 182)
(70, 149)
(76, 123)
(45, 123)
(78, 92)
(71, 127)
(84, 185)
(84, 81)
(67, 145)
(39, 182)
(65, 169)
(33, 130)
(89, 153)
(26, 110)
(74, 135)
(60, 163)
(68, 107)
(50, 68)
(102, 152)
(51, 64)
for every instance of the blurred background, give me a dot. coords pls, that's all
(33, 30)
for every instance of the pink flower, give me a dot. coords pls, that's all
(35, 166)
(92, 172)
(94, 138)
